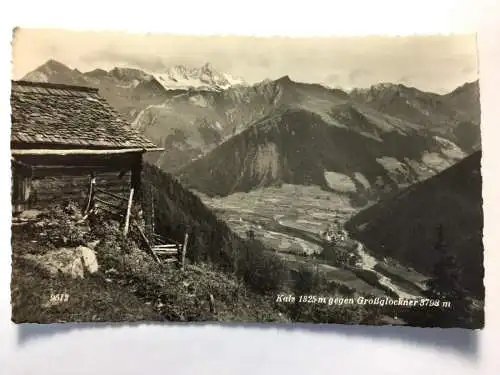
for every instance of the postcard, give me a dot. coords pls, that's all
(246, 179)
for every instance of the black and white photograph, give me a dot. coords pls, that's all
(184, 178)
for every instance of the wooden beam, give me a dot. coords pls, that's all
(165, 239)
(184, 249)
(167, 249)
(165, 252)
(108, 203)
(111, 194)
(146, 241)
(118, 161)
(167, 246)
(82, 151)
(129, 208)
(68, 170)
(24, 191)
(91, 195)
(152, 210)
(18, 191)
(211, 301)
(113, 212)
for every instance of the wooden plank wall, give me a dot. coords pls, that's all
(47, 191)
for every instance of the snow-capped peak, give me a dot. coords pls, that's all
(129, 74)
(205, 77)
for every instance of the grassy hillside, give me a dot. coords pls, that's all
(131, 285)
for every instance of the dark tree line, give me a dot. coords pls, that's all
(445, 285)
(177, 211)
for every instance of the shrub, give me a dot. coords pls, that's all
(372, 278)
(262, 271)
(339, 257)
(344, 290)
(60, 226)
(317, 284)
(305, 281)
(369, 276)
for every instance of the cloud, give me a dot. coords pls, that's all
(333, 78)
(406, 80)
(109, 58)
(430, 63)
(359, 76)
(468, 69)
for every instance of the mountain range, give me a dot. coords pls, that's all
(130, 89)
(222, 135)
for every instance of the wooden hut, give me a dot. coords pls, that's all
(61, 137)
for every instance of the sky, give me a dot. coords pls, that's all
(437, 63)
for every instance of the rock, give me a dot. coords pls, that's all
(66, 261)
(29, 214)
(69, 261)
(89, 259)
(76, 270)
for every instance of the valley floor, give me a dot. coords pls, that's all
(289, 220)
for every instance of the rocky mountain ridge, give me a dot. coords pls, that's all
(402, 132)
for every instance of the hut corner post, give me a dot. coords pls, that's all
(135, 183)
(21, 188)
